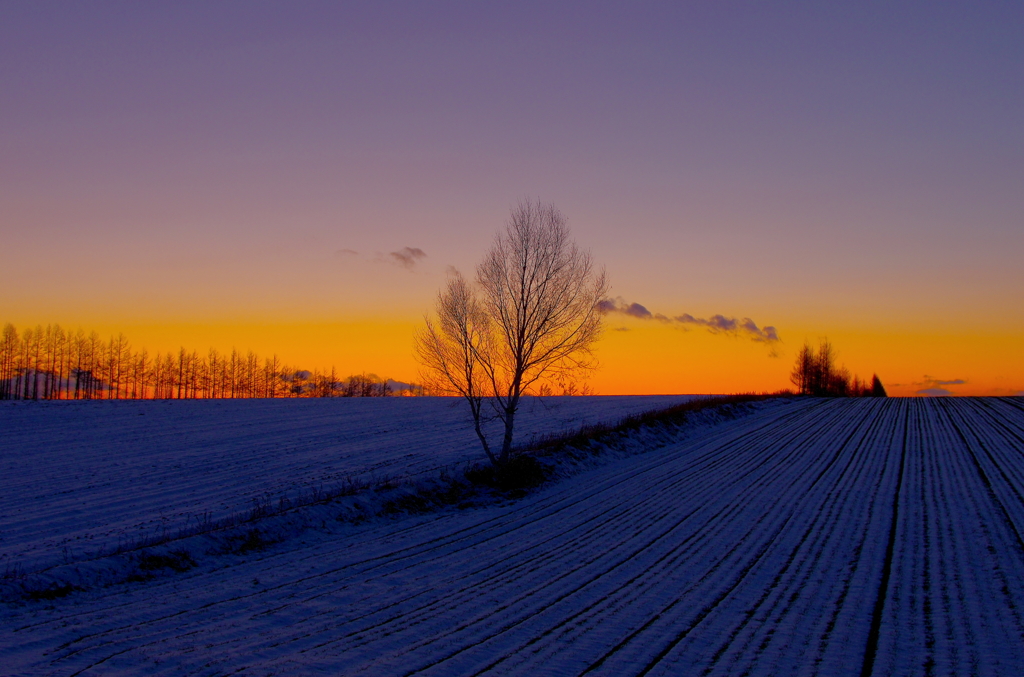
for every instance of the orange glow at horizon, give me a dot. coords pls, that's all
(652, 358)
(635, 357)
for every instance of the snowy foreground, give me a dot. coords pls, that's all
(81, 478)
(838, 537)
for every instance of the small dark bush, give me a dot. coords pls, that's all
(427, 499)
(521, 472)
(52, 592)
(409, 503)
(178, 560)
(453, 493)
(480, 475)
(252, 542)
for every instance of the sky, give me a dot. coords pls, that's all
(297, 178)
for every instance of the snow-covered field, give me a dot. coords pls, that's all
(808, 537)
(81, 478)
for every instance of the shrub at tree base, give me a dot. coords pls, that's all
(520, 472)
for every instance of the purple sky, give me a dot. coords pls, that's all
(803, 164)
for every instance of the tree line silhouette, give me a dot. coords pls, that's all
(49, 363)
(816, 373)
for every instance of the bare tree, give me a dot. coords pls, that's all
(8, 361)
(803, 370)
(532, 315)
(452, 348)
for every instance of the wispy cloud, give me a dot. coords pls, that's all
(407, 256)
(934, 392)
(618, 305)
(931, 382)
(731, 325)
(716, 324)
(929, 386)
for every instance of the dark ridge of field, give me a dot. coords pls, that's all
(832, 537)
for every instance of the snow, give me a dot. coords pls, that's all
(82, 478)
(809, 536)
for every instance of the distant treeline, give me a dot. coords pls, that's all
(49, 363)
(816, 374)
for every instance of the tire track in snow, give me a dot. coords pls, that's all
(794, 510)
(812, 554)
(1005, 540)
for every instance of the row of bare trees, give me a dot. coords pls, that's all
(49, 363)
(816, 373)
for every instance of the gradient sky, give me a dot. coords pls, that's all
(217, 174)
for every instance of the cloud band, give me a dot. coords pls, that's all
(716, 324)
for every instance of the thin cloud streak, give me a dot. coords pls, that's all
(935, 392)
(930, 386)
(931, 382)
(407, 256)
(716, 324)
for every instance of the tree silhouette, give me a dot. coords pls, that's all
(533, 314)
(49, 363)
(815, 373)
